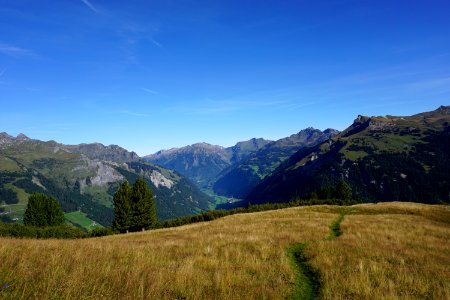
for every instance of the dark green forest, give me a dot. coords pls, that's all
(419, 174)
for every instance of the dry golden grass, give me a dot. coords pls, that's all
(387, 251)
(237, 257)
(379, 255)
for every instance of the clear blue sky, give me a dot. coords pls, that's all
(149, 75)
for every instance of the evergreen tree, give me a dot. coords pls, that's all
(343, 191)
(122, 208)
(144, 209)
(134, 207)
(43, 211)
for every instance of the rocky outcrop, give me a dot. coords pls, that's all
(159, 179)
(6, 139)
(381, 126)
(112, 153)
(105, 175)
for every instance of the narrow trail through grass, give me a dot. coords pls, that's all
(308, 278)
(335, 227)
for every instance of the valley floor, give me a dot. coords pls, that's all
(392, 250)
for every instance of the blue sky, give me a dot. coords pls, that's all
(150, 75)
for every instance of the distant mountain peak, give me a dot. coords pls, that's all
(201, 162)
(253, 141)
(241, 177)
(100, 151)
(306, 130)
(206, 146)
(444, 109)
(5, 138)
(22, 137)
(361, 119)
(331, 131)
(5, 135)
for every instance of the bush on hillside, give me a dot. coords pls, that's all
(43, 211)
(21, 231)
(8, 196)
(99, 232)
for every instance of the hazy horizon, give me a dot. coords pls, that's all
(152, 76)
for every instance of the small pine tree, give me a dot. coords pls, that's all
(122, 208)
(43, 211)
(313, 196)
(343, 191)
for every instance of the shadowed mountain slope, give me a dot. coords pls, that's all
(385, 158)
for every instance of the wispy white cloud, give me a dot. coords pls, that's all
(134, 114)
(388, 104)
(156, 43)
(225, 106)
(2, 72)
(15, 51)
(149, 91)
(91, 7)
(47, 130)
(300, 105)
(432, 83)
(32, 89)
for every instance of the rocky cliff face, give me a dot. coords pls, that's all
(110, 153)
(6, 139)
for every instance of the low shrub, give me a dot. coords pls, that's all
(98, 232)
(22, 231)
(60, 232)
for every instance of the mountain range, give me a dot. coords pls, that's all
(382, 158)
(84, 179)
(387, 158)
(240, 178)
(202, 162)
(234, 171)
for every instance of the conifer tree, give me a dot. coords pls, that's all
(43, 211)
(122, 208)
(134, 207)
(343, 191)
(144, 210)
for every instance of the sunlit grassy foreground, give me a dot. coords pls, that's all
(378, 255)
(387, 251)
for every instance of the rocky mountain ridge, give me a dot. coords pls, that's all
(6, 139)
(219, 168)
(201, 162)
(383, 158)
(84, 179)
(241, 177)
(110, 153)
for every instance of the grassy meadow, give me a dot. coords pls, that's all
(392, 250)
(81, 219)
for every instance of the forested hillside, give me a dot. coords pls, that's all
(84, 182)
(240, 178)
(382, 158)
